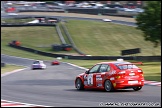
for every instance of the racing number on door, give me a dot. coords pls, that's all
(90, 79)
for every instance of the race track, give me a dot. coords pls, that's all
(54, 86)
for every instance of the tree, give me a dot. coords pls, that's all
(150, 22)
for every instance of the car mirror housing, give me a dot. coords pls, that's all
(87, 72)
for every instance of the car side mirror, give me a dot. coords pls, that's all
(87, 72)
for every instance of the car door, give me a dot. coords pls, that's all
(100, 76)
(90, 77)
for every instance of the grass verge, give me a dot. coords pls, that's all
(9, 68)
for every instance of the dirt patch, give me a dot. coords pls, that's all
(78, 15)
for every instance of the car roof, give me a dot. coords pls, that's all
(114, 62)
(39, 61)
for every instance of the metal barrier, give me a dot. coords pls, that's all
(84, 57)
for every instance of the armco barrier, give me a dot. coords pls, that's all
(137, 58)
(92, 11)
(110, 12)
(37, 52)
(148, 58)
(21, 25)
(99, 57)
(43, 10)
(75, 10)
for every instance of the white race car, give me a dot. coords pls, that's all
(38, 64)
(106, 20)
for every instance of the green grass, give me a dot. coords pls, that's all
(108, 38)
(40, 38)
(9, 68)
(91, 37)
(152, 70)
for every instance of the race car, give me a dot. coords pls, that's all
(107, 20)
(38, 64)
(111, 76)
(55, 62)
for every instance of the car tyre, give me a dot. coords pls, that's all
(79, 85)
(137, 88)
(108, 86)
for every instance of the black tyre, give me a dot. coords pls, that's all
(137, 88)
(79, 85)
(108, 86)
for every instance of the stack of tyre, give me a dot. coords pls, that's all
(15, 42)
(62, 47)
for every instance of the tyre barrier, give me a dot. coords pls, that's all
(3, 64)
(62, 47)
(15, 42)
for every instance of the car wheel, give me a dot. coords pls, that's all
(108, 86)
(137, 88)
(79, 85)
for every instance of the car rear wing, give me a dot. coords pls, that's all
(135, 63)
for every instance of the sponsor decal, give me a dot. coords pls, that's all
(85, 77)
(112, 72)
(112, 78)
(99, 85)
(90, 79)
(114, 84)
(98, 76)
(98, 79)
(85, 80)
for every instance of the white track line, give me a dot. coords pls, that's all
(6, 103)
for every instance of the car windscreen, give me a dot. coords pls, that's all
(36, 62)
(126, 66)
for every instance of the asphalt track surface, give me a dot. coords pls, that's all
(54, 86)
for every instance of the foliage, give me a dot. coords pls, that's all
(150, 22)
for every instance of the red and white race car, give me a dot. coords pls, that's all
(111, 75)
(55, 62)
